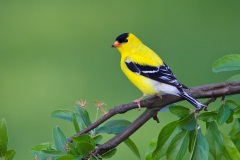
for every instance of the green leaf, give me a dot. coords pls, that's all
(84, 138)
(188, 122)
(104, 130)
(78, 122)
(237, 114)
(84, 115)
(201, 148)
(59, 139)
(151, 148)
(97, 138)
(223, 114)
(231, 104)
(113, 127)
(64, 114)
(230, 150)
(164, 139)
(67, 157)
(235, 78)
(178, 146)
(84, 148)
(230, 118)
(235, 127)
(215, 140)
(236, 140)
(3, 136)
(42, 146)
(208, 116)
(227, 63)
(71, 149)
(192, 140)
(179, 110)
(75, 122)
(53, 152)
(48, 154)
(109, 154)
(132, 147)
(8, 155)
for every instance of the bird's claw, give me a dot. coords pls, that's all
(138, 103)
(205, 109)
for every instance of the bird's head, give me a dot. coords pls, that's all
(126, 42)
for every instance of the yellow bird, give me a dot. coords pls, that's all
(146, 70)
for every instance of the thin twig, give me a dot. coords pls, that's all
(213, 99)
(142, 119)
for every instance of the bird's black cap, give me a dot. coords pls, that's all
(122, 38)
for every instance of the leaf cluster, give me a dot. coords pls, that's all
(82, 146)
(184, 138)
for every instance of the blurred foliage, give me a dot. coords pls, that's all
(5, 154)
(54, 52)
(178, 137)
(228, 63)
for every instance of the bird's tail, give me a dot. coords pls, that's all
(191, 100)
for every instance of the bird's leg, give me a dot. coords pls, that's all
(223, 99)
(138, 101)
(198, 110)
(196, 113)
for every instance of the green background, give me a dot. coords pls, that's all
(53, 53)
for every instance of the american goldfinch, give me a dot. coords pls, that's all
(146, 70)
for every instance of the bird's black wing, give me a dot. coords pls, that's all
(161, 74)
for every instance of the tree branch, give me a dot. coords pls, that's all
(112, 143)
(153, 105)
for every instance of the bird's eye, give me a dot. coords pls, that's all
(125, 41)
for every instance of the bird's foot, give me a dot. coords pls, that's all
(205, 109)
(196, 113)
(198, 110)
(138, 103)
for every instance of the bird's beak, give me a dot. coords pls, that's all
(116, 44)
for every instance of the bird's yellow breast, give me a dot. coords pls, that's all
(144, 84)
